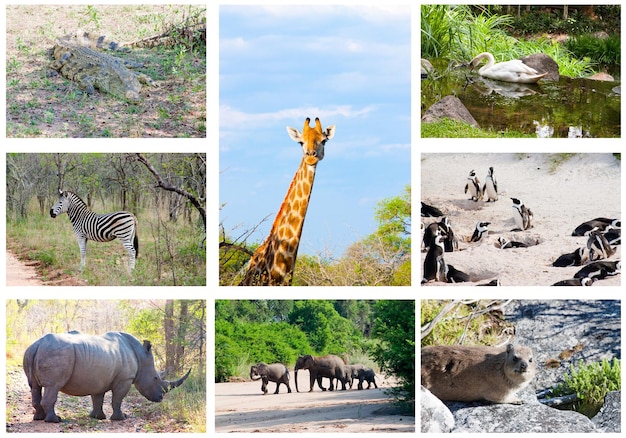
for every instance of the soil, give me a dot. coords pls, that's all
(143, 416)
(242, 407)
(21, 271)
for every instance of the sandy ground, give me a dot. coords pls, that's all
(242, 407)
(581, 188)
(20, 274)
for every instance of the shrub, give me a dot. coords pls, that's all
(591, 383)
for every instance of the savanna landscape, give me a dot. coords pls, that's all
(165, 192)
(176, 330)
(169, 40)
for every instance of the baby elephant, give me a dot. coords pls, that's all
(368, 375)
(276, 372)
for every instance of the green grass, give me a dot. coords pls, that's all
(450, 128)
(170, 254)
(178, 65)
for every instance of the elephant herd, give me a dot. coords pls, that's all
(331, 367)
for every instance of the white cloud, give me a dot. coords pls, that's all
(233, 118)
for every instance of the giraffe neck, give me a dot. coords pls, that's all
(273, 262)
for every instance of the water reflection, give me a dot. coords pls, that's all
(570, 108)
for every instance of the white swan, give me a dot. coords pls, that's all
(508, 71)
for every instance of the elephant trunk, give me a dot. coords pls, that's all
(172, 385)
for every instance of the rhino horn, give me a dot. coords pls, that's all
(172, 385)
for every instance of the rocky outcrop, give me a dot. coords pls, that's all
(449, 107)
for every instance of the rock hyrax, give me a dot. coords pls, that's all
(459, 373)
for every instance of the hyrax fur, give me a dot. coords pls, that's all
(460, 373)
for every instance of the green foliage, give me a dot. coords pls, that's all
(447, 128)
(487, 32)
(251, 331)
(591, 383)
(394, 326)
(326, 330)
(242, 342)
(466, 321)
(605, 51)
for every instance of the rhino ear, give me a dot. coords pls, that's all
(147, 346)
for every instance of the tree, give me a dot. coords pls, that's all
(394, 326)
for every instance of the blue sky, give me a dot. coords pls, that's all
(349, 66)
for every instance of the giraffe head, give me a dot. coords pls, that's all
(312, 140)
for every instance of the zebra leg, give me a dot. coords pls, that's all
(82, 244)
(128, 244)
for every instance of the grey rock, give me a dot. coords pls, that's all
(449, 107)
(608, 420)
(435, 416)
(543, 63)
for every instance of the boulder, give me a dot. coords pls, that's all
(435, 416)
(427, 68)
(543, 63)
(449, 107)
(608, 420)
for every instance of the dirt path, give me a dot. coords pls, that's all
(21, 274)
(241, 407)
(143, 416)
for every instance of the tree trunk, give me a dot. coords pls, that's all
(170, 338)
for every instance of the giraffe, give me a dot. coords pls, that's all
(273, 262)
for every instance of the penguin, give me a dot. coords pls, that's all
(473, 185)
(576, 258)
(521, 215)
(453, 275)
(494, 282)
(429, 234)
(583, 281)
(443, 227)
(490, 189)
(599, 270)
(614, 236)
(430, 211)
(504, 243)
(599, 223)
(434, 264)
(599, 248)
(450, 242)
(480, 231)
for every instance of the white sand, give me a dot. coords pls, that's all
(582, 188)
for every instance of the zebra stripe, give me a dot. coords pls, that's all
(98, 227)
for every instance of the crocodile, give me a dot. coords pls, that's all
(78, 59)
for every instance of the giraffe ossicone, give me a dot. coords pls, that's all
(273, 262)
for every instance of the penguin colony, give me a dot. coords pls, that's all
(602, 235)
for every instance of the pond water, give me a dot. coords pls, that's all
(570, 108)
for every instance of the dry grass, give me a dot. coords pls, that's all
(43, 106)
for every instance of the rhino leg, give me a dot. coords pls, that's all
(47, 403)
(40, 414)
(96, 412)
(117, 395)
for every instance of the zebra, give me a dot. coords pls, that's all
(97, 227)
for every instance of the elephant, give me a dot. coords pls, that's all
(368, 375)
(329, 366)
(347, 377)
(276, 372)
(354, 371)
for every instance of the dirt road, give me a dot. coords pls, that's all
(19, 274)
(242, 407)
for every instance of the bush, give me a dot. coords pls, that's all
(591, 383)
